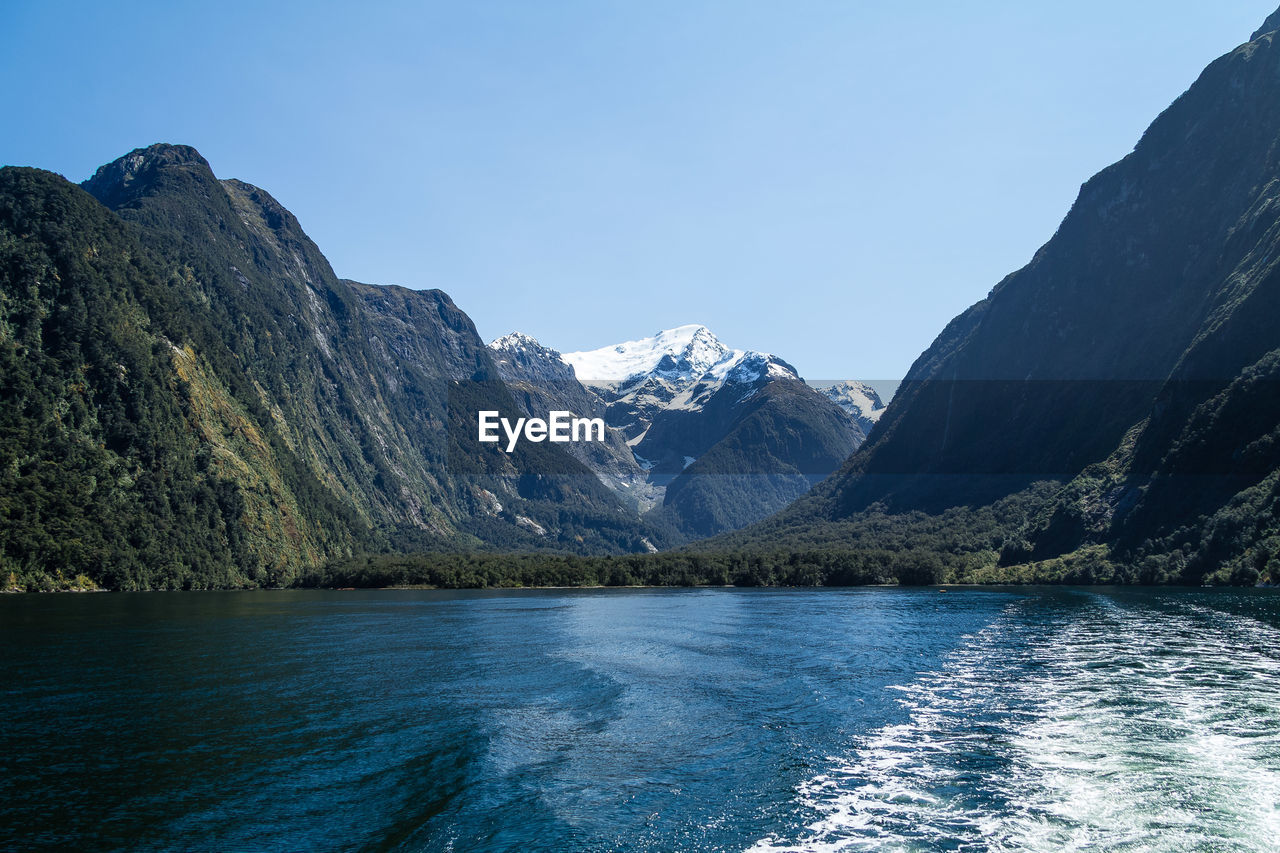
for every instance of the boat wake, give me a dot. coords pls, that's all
(1105, 727)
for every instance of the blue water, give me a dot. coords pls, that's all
(763, 720)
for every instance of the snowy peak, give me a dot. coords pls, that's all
(679, 369)
(681, 409)
(520, 357)
(515, 341)
(858, 399)
(518, 344)
(683, 352)
(752, 367)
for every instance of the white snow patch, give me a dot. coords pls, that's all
(856, 398)
(515, 342)
(692, 343)
(778, 371)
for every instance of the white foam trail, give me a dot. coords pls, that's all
(1110, 727)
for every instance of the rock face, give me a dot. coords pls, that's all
(759, 442)
(1134, 359)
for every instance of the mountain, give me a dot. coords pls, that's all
(755, 444)
(722, 436)
(638, 379)
(191, 397)
(541, 381)
(133, 454)
(671, 378)
(1109, 411)
(858, 399)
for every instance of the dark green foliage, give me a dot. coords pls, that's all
(960, 546)
(376, 388)
(806, 568)
(100, 474)
(191, 398)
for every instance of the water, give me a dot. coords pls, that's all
(638, 720)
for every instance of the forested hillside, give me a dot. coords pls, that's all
(192, 398)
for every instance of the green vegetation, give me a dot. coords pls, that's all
(971, 545)
(799, 568)
(190, 399)
(116, 463)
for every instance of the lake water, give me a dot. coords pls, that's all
(630, 720)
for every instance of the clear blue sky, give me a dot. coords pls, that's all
(829, 180)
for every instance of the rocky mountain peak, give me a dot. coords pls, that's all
(516, 341)
(124, 176)
(520, 357)
(1271, 24)
(753, 367)
(858, 399)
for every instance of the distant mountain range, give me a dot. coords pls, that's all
(190, 397)
(704, 438)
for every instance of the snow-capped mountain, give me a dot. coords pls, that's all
(522, 357)
(858, 399)
(680, 368)
(718, 436)
(682, 354)
(541, 381)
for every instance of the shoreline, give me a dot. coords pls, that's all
(939, 587)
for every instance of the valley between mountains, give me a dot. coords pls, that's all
(194, 398)
(702, 438)
(191, 398)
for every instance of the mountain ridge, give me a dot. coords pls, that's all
(681, 403)
(311, 416)
(1103, 411)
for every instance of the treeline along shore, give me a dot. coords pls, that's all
(817, 568)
